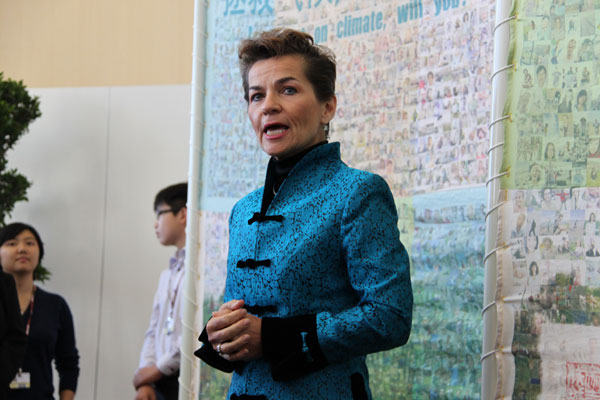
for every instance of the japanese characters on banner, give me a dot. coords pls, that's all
(548, 277)
(414, 101)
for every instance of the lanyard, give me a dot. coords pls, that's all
(22, 379)
(170, 300)
(30, 312)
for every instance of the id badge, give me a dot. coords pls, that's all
(169, 325)
(22, 381)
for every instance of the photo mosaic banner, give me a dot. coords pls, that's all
(548, 277)
(414, 101)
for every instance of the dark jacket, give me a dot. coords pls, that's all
(12, 333)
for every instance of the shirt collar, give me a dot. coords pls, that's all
(176, 262)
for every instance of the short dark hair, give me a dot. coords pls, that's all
(11, 231)
(319, 61)
(540, 68)
(175, 196)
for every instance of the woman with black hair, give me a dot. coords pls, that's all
(47, 319)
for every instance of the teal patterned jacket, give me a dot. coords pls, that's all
(325, 270)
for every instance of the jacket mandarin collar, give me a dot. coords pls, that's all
(296, 166)
(327, 151)
(322, 154)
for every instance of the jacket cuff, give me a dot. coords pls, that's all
(292, 346)
(207, 354)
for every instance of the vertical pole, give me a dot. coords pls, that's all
(499, 92)
(193, 292)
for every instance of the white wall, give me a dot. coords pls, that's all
(97, 157)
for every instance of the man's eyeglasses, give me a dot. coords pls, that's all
(161, 212)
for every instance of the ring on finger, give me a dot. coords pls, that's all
(219, 349)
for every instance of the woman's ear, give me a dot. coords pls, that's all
(329, 108)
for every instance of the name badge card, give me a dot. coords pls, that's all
(169, 325)
(22, 381)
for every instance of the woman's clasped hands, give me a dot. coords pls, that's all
(234, 333)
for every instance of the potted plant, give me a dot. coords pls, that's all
(17, 110)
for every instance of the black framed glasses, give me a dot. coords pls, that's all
(161, 212)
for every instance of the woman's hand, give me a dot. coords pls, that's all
(235, 334)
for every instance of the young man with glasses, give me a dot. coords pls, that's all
(156, 377)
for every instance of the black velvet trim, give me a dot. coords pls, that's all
(247, 397)
(357, 385)
(292, 346)
(258, 217)
(277, 171)
(260, 310)
(250, 263)
(207, 354)
(268, 188)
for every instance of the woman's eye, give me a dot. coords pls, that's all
(289, 90)
(255, 97)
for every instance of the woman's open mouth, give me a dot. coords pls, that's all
(275, 129)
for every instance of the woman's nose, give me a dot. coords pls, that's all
(271, 104)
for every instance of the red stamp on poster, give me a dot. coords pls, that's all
(583, 380)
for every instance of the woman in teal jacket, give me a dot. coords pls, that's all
(317, 276)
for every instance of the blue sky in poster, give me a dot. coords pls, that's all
(447, 276)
